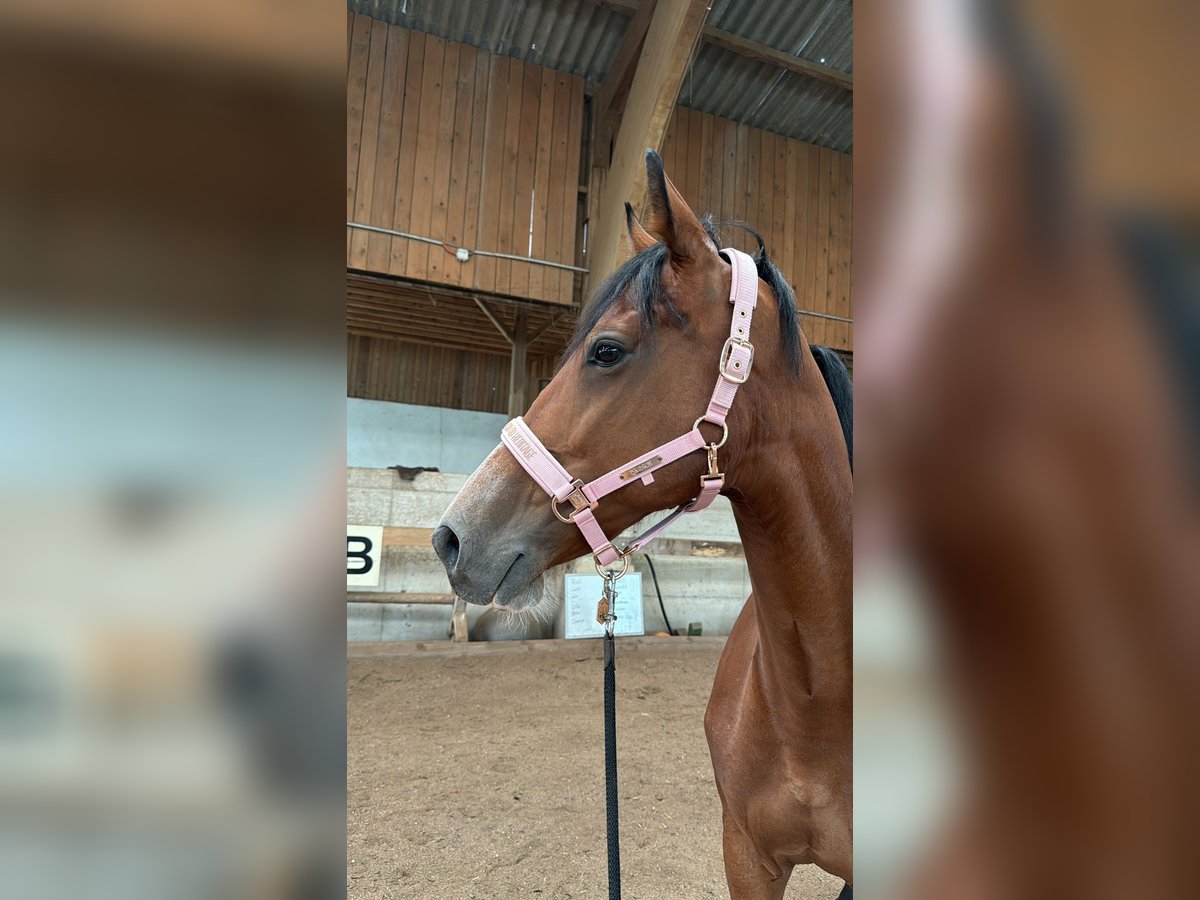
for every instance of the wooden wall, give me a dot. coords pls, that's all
(796, 195)
(467, 147)
(402, 372)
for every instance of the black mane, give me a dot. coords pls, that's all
(639, 280)
(837, 379)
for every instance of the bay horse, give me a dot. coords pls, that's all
(638, 372)
(1027, 455)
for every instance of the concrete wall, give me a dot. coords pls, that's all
(381, 434)
(709, 590)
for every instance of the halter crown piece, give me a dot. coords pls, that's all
(733, 368)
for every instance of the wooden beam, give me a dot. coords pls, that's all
(402, 597)
(608, 100)
(398, 536)
(752, 49)
(671, 40)
(458, 621)
(487, 311)
(554, 320)
(763, 53)
(518, 372)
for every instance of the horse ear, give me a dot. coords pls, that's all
(639, 238)
(669, 216)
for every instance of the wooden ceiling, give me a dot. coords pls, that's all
(429, 314)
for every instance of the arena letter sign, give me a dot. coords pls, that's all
(364, 555)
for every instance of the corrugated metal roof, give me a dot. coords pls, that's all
(582, 37)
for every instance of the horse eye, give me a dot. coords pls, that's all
(606, 354)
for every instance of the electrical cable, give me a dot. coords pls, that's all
(661, 607)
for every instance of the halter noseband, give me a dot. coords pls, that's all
(733, 368)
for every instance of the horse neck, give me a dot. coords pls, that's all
(792, 499)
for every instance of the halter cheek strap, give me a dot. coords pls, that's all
(573, 501)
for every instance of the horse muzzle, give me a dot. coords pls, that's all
(510, 577)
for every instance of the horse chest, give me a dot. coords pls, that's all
(757, 767)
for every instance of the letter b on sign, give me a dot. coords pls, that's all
(364, 546)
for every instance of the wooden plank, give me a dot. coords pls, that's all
(778, 242)
(531, 89)
(742, 184)
(692, 176)
(543, 248)
(832, 174)
(406, 173)
(820, 292)
(460, 156)
(518, 374)
(425, 166)
(832, 329)
(515, 77)
(813, 258)
(729, 166)
(803, 232)
(369, 142)
(670, 42)
(785, 255)
(479, 117)
(670, 147)
(493, 164)
(753, 178)
(707, 182)
(571, 233)
(761, 52)
(846, 256)
(356, 89)
(763, 168)
(387, 154)
(440, 257)
(401, 597)
(560, 177)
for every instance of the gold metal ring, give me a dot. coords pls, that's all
(600, 570)
(724, 431)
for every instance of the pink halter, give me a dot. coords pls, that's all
(733, 368)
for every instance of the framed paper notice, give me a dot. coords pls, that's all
(582, 593)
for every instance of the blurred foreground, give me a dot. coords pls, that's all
(1027, 524)
(171, 669)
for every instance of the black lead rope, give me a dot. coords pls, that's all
(610, 767)
(605, 615)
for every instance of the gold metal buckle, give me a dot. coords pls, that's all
(576, 498)
(727, 353)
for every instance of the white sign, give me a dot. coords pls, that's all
(583, 593)
(364, 555)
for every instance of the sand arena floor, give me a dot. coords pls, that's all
(477, 771)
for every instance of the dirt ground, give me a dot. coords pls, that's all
(477, 771)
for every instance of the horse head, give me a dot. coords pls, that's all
(638, 372)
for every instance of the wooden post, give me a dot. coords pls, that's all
(458, 621)
(518, 373)
(610, 99)
(671, 39)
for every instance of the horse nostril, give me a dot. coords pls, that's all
(445, 545)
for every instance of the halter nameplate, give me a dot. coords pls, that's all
(639, 469)
(733, 369)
